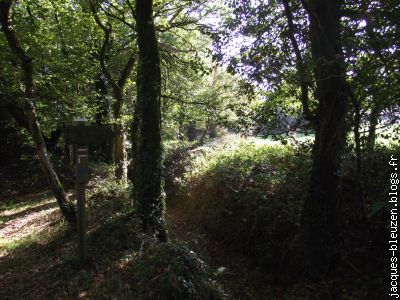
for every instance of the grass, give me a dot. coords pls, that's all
(18, 204)
(248, 194)
(7, 245)
(44, 265)
(245, 193)
(24, 220)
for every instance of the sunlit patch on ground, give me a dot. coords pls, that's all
(24, 207)
(25, 221)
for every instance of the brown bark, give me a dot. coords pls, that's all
(67, 209)
(120, 157)
(120, 153)
(148, 177)
(320, 226)
(135, 133)
(357, 142)
(373, 122)
(300, 65)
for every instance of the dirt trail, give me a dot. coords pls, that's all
(238, 275)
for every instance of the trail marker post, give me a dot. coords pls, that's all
(78, 136)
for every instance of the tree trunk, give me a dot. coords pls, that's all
(135, 133)
(320, 226)
(103, 114)
(119, 138)
(120, 153)
(373, 122)
(148, 183)
(67, 209)
(300, 65)
(359, 169)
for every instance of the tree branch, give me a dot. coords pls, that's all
(12, 40)
(126, 71)
(301, 71)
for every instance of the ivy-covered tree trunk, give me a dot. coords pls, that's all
(300, 65)
(119, 139)
(118, 85)
(373, 122)
(148, 177)
(359, 158)
(103, 114)
(134, 141)
(320, 227)
(67, 208)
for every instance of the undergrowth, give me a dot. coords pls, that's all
(151, 270)
(123, 262)
(173, 271)
(247, 195)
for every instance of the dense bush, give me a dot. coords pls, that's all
(172, 271)
(377, 174)
(249, 196)
(139, 267)
(175, 163)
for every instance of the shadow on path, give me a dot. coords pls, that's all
(25, 212)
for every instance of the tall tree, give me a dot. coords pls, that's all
(148, 177)
(320, 228)
(117, 86)
(300, 64)
(25, 62)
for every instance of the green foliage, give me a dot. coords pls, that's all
(119, 232)
(172, 271)
(107, 195)
(377, 176)
(20, 171)
(51, 34)
(249, 196)
(175, 165)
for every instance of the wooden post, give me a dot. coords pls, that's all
(81, 178)
(78, 136)
(81, 226)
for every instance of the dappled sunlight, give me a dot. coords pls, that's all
(14, 203)
(206, 150)
(26, 209)
(26, 222)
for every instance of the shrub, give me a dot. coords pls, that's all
(249, 196)
(377, 172)
(172, 271)
(175, 163)
(106, 195)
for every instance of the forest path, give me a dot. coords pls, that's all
(25, 219)
(235, 272)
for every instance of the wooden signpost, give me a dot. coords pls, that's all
(78, 136)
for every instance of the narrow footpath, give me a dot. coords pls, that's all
(235, 272)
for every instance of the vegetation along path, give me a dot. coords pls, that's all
(233, 270)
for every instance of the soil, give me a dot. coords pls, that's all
(238, 274)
